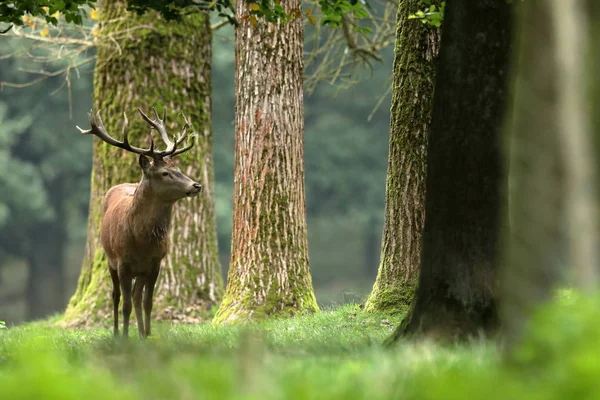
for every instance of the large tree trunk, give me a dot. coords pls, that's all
(553, 235)
(269, 272)
(144, 62)
(412, 94)
(456, 294)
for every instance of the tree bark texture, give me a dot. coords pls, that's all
(412, 94)
(269, 271)
(553, 235)
(457, 287)
(144, 61)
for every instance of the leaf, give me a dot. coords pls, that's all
(361, 13)
(94, 14)
(308, 11)
(312, 20)
(44, 32)
(253, 20)
(255, 7)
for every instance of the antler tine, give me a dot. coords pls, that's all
(186, 148)
(125, 132)
(159, 125)
(184, 135)
(98, 129)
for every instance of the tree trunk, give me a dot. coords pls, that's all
(553, 235)
(456, 294)
(144, 61)
(269, 272)
(414, 73)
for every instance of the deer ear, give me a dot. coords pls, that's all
(144, 162)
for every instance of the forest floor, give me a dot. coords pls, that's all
(335, 354)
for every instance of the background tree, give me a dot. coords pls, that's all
(42, 179)
(144, 61)
(553, 236)
(269, 271)
(416, 51)
(457, 293)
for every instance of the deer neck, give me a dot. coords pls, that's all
(149, 216)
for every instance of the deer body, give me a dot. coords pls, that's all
(134, 227)
(136, 220)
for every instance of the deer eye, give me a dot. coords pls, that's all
(165, 174)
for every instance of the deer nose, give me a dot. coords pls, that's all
(197, 186)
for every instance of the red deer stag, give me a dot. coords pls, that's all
(136, 218)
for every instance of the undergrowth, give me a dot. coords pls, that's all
(335, 354)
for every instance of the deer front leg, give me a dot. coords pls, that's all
(125, 278)
(148, 296)
(116, 297)
(138, 289)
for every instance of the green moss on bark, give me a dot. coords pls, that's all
(412, 95)
(391, 299)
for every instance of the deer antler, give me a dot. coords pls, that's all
(98, 129)
(159, 125)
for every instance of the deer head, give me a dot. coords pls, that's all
(165, 179)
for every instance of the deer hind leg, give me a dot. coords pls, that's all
(125, 279)
(138, 289)
(149, 295)
(116, 298)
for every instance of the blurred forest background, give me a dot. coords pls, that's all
(45, 169)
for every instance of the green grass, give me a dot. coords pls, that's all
(336, 354)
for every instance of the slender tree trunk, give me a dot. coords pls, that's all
(456, 294)
(412, 94)
(145, 62)
(553, 235)
(269, 272)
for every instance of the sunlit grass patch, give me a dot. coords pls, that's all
(335, 354)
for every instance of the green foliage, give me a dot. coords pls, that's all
(432, 14)
(332, 11)
(333, 355)
(174, 9)
(12, 12)
(44, 165)
(23, 197)
(272, 11)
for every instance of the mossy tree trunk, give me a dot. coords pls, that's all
(146, 62)
(412, 94)
(457, 288)
(269, 272)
